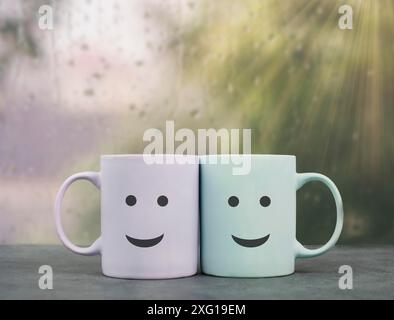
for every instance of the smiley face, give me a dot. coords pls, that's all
(131, 201)
(233, 202)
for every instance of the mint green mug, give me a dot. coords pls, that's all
(248, 221)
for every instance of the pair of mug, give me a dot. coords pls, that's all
(150, 214)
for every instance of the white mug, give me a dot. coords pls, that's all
(149, 217)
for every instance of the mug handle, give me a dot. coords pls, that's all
(303, 178)
(95, 248)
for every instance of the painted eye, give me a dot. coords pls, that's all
(265, 201)
(233, 201)
(131, 200)
(162, 201)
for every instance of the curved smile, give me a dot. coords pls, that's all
(250, 243)
(145, 243)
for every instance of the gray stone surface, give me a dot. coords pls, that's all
(78, 277)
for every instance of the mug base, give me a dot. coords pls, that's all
(244, 276)
(144, 277)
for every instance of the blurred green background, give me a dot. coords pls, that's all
(111, 69)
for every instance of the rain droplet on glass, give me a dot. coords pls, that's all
(84, 47)
(89, 92)
(195, 113)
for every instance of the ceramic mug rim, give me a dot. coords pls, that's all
(137, 156)
(252, 155)
(140, 155)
